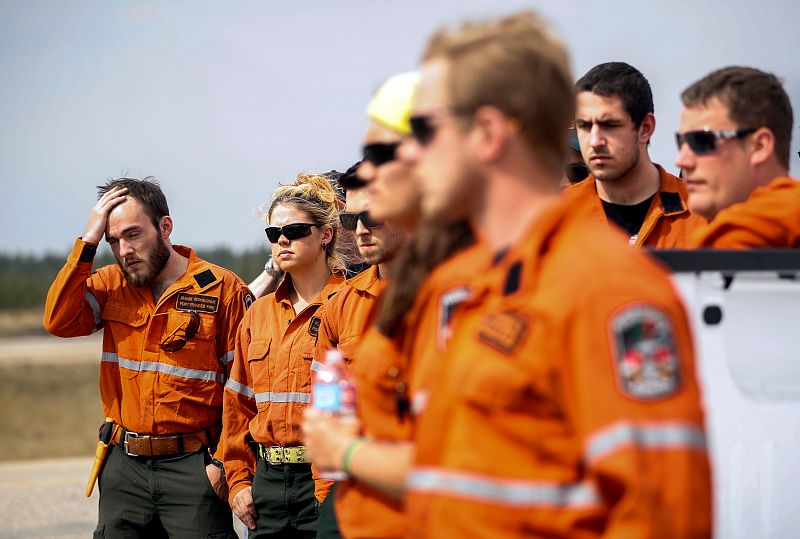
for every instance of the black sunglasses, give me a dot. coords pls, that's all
(423, 129)
(704, 142)
(350, 220)
(380, 153)
(172, 343)
(294, 231)
(576, 172)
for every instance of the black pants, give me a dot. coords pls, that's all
(160, 497)
(283, 495)
(327, 526)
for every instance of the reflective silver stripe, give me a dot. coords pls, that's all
(241, 389)
(667, 435)
(521, 493)
(316, 365)
(226, 358)
(154, 366)
(95, 305)
(291, 396)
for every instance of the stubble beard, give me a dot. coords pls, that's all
(614, 175)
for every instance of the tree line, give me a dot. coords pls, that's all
(25, 279)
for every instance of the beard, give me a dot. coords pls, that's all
(153, 262)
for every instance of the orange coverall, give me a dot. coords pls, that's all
(770, 217)
(391, 373)
(345, 317)
(270, 382)
(142, 387)
(566, 405)
(668, 223)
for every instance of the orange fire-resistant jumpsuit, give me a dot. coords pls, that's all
(270, 382)
(143, 388)
(770, 217)
(668, 223)
(346, 316)
(567, 404)
(391, 387)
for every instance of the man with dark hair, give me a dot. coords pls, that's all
(169, 321)
(615, 121)
(566, 403)
(733, 147)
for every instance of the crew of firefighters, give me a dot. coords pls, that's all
(522, 368)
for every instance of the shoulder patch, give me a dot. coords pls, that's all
(512, 279)
(671, 202)
(645, 355)
(448, 303)
(205, 278)
(248, 300)
(196, 302)
(313, 326)
(503, 331)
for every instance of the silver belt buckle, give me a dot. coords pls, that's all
(129, 434)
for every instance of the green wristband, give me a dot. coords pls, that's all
(348, 455)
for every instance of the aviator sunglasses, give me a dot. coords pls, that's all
(704, 142)
(294, 231)
(350, 220)
(380, 153)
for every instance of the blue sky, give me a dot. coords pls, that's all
(220, 101)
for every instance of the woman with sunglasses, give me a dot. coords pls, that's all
(272, 490)
(391, 364)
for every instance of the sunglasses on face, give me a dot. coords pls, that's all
(294, 231)
(704, 142)
(423, 128)
(172, 343)
(380, 153)
(576, 172)
(350, 220)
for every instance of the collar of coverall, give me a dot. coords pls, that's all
(523, 259)
(331, 287)
(367, 281)
(198, 273)
(669, 190)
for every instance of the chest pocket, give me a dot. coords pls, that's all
(179, 320)
(258, 365)
(129, 328)
(304, 374)
(199, 352)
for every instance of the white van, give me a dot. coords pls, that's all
(744, 307)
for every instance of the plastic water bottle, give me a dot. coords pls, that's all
(335, 394)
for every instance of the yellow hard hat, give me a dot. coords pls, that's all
(391, 104)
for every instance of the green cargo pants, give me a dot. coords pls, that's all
(160, 497)
(283, 495)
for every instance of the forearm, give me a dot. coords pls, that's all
(71, 308)
(381, 465)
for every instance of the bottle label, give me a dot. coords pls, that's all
(327, 397)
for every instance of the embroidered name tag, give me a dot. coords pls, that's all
(197, 302)
(503, 331)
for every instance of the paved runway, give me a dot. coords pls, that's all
(45, 499)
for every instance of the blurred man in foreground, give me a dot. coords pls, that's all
(566, 402)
